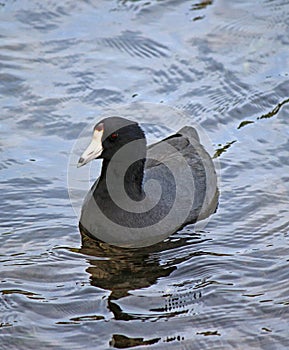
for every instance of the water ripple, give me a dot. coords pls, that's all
(135, 45)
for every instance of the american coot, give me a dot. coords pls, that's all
(144, 194)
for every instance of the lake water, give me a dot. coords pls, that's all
(226, 65)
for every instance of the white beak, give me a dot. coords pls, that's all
(94, 149)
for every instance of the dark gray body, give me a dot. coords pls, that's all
(180, 184)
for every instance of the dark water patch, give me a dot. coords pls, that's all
(43, 17)
(9, 163)
(64, 129)
(272, 101)
(31, 182)
(170, 78)
(84, 81)
(46, 121)
(103, 97)
(11, 84)
(57, 46)
(136, 45)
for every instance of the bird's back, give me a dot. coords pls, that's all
(193, 171)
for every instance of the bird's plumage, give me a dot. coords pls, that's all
(144, 194)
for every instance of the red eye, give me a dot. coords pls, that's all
(113, 136)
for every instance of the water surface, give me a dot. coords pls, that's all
(225, 64)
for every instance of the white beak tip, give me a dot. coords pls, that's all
(93, 150)
(81, 162)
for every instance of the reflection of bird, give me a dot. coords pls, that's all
(123, 271)
(145, 194)
(120, 270)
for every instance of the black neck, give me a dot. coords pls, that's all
(132, 180)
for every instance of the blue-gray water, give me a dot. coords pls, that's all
(226, 63)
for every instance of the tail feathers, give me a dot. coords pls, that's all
(189, 132)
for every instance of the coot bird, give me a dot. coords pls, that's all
(144, 194)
